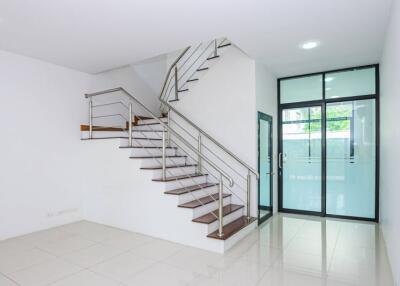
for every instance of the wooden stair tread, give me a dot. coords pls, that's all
(213, 57)
(232, 228)
(100, 128)
(202, 201)
(224, 45)
(146, 124)
(168, 167)
(180, 177)
(212, 216)
(189, 189)
(157, 157)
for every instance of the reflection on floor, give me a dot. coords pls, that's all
(285, 250)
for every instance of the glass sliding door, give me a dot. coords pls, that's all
(300, 160)
(328, 141)
(351, 157)
(265, 167)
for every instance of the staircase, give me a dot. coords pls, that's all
(215, 191)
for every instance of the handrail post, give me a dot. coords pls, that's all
(215, 48)
(176, 82)
(220, 208)
(168, 133)
(248, 194)
(164, 157)
(130, 125)
(199, 163)
(90, 118)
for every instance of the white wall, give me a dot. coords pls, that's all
(41, 108)
(266, 102)
(390, 140)
(129, 78)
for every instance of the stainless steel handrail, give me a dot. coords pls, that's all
(179, 137)
(210, 138)
(171, 67)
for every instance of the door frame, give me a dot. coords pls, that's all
(323, 102)
(323, 159)
(268, 118)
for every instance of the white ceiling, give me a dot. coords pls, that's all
(97, 35)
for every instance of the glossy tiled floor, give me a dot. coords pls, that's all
(286, 250)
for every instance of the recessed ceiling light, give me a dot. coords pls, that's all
(309, 45)
(329, 78)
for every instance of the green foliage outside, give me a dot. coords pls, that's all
(338, 119)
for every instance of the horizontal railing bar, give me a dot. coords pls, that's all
(111, 103)
(210, 138)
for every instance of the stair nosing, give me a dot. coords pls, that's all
(186, 190)
(227, 236)
(168, 167)
(238, 207)
(157, 157)
(180, 177)
(184, 205)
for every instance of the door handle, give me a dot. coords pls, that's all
(280, 160)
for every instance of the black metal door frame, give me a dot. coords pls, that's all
(268, 118)
(323, 102)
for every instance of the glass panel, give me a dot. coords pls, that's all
(302, 158)
(301, 89)
(350, 149)
(350, 83)
(265, 168)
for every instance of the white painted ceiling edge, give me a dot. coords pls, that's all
(98, 35)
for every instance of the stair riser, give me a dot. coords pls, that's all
(152, 152)
(150, 162)
(149, 127)
(142, 142)
(184, 198)
(184, 183)
(227, 219)
(202, 210)
(151, 134)
(175, 171)
(150, 121)
(102, 134)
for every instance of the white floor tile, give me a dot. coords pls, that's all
(123, 266)
(162, 274)
(128, 241)
(44, 273)
(92, 255)
(157, 249)
(64, 245)
(92, 231)
(85, 278)
(14, 259)
(195, 260)
(285, 250)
